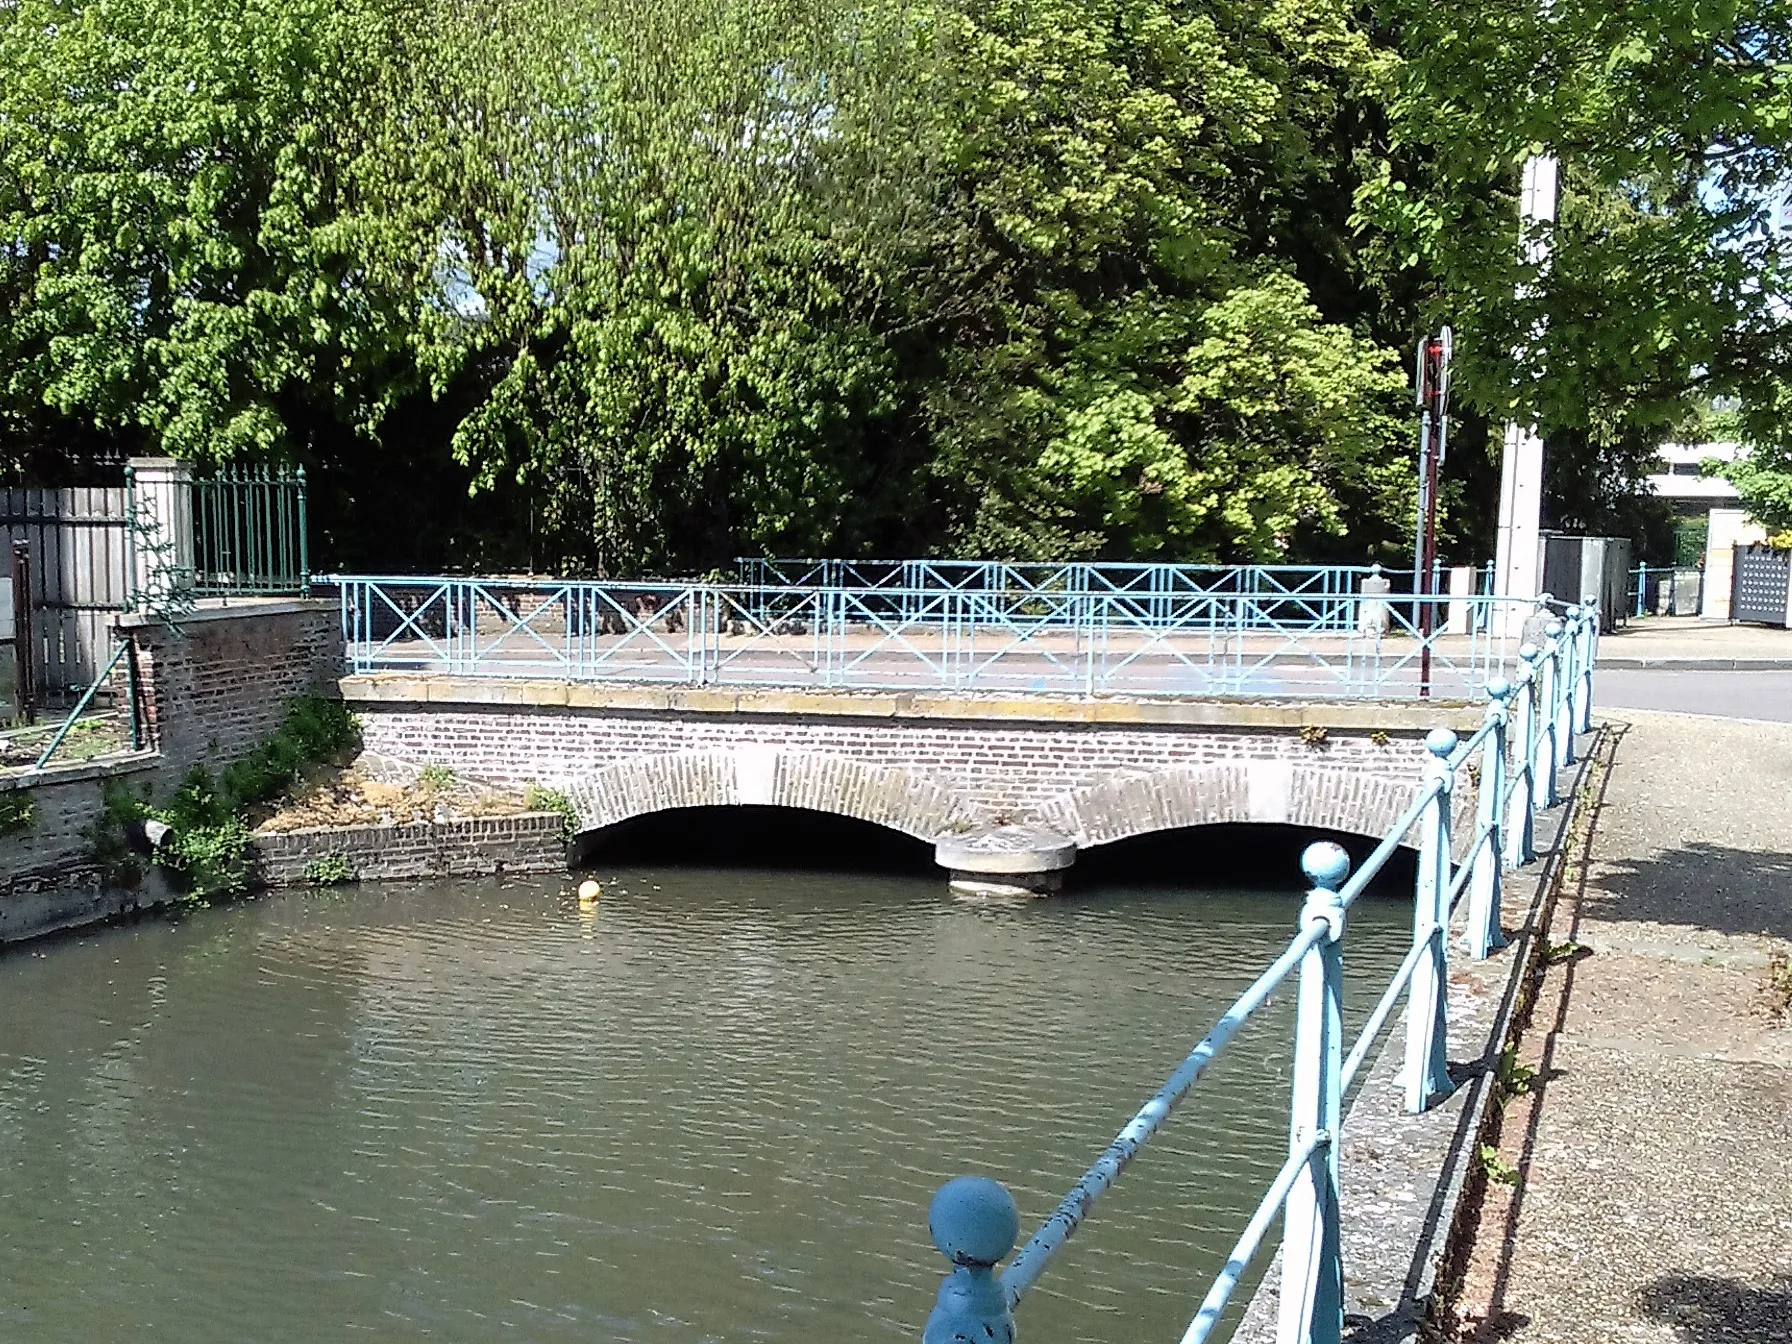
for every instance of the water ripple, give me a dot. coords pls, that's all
(714, 1109)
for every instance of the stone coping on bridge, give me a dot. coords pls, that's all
(397, 688)
(224, 609)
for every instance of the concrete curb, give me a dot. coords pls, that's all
(1607, 664)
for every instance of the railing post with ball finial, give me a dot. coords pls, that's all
(1543, 761)
(1311, 1304)
(974, 1223)
(1589, 615)
(1426, 1073)
(1484, 934)
(1565, 636)
(1521, 835)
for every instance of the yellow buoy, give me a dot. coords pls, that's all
(589, 891)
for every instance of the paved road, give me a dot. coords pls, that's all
(1730, 695)
(1654, 1145)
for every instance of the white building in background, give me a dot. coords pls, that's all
(1693, 495)
(1680, 483)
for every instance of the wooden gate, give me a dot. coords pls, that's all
(80, 576)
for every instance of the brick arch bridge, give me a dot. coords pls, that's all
(891, 796)
(1320, 795)
(1086, 771)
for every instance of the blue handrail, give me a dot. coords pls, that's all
(1245, 1250)
(973, 1221)
(1216, 641)
(1074, 1207)
(122, 653)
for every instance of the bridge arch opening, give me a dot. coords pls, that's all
(748, 835)
(1234, 856)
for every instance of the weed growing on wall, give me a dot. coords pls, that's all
(207, 853)
(540, 798)
(332, 870)
(120, 866)
(313, 730)
(17, 813)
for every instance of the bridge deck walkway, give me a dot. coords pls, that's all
(1654, 1149)
(1217, 663)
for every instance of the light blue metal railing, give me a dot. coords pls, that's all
(1527, 735)
(1323, 593)
(131, 713)
(930, 639)
(1640, 602)
(1320, 596)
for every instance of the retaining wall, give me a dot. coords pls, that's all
(218, 683)
(474, 847)
(213, 687)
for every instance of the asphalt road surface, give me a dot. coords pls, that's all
(1729, 695)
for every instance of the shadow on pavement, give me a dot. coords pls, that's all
(1736, 891)
(1706, 1310)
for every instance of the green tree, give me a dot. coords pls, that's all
(663, 280)
(809, 276)
(1154, 379)
(1673, 120)
(184, 266)
(676, 243)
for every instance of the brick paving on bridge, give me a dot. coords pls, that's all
(1654, 1147)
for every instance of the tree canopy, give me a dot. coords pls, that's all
(664, 281)
(1667, 284)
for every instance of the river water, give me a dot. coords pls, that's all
(714, 1108)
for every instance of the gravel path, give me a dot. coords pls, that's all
(1654, 1147)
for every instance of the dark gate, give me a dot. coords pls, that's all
(80, 577)
(1760, 585)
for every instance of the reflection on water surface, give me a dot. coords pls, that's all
(714, 1108)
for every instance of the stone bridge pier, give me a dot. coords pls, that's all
(1008, 789)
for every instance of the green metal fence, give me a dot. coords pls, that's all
(249, 536)
(240, 532)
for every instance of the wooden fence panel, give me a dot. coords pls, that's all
(80, 575)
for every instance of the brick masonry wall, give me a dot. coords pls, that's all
(1096, 783)
(477, 847)
(58, 844)
(219, 683)
(212, 689)
(50, 875)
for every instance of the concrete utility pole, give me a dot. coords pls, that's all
(1517, 557)
(1432, 378)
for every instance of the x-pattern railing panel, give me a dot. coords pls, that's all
(1196, 640)
(902, 635)
(361, 603)
(516, 622)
